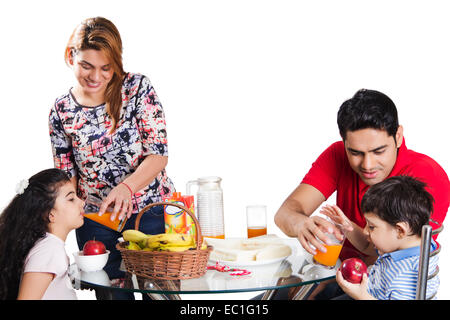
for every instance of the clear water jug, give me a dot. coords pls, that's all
(209, 207)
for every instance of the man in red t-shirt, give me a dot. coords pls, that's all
(372, 149)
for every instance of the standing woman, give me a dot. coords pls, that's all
(108, 132)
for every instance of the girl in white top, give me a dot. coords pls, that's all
(33, 230)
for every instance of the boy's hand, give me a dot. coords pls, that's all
(357, 291)
(337, 216)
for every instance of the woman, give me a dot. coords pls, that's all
(108, 132)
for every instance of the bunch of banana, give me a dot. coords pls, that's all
(134, 235)
(174, 242)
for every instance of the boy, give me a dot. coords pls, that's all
(395, 211)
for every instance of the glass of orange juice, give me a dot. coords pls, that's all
(256, 221)
(92, 206)
(329, 258)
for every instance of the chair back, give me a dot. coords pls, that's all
(424, 259)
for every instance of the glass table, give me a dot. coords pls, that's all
(297, 272)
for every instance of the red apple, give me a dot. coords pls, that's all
(93, 247)
(353, 269)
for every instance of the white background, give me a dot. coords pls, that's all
(250, 89)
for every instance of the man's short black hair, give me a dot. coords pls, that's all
(368, 109)
(400, 199)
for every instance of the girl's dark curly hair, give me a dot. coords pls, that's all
(24, 221)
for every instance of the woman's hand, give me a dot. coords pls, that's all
(121, 197)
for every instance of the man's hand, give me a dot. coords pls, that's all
(312, 232)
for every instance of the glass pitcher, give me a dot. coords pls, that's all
(209, 206)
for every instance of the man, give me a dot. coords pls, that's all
(372, 149)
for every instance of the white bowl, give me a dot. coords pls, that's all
(92, 262)
(315, 271)
(97, 277)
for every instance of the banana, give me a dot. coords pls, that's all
(173, 248)
(153, 245)
(143, 243)
(133, 246)
(180, 248)
(174, 242)
(134, 235)
(170, 239)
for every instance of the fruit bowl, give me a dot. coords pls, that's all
(92, 262)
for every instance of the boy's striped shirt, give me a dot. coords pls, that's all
(394, 275)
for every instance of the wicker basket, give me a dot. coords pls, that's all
(166, 265)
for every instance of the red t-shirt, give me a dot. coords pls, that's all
(331, 172)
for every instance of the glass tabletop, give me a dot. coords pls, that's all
(296, 270)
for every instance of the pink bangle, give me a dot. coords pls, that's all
(128, 188)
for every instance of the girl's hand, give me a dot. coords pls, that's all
(357, 291)
(121, 197)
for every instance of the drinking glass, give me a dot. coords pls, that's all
(92, 206)
(256, 221)
(329, 258)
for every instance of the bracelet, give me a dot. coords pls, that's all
(128, 188)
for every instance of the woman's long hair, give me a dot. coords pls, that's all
(23, 222)
(101, 34)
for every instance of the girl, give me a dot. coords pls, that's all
(108, 132)
(33, 230)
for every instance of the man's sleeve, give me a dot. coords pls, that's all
(324, 172)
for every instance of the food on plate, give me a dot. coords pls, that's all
(224, 254)
(260, 242)
(231, 243)
(274, 251)
(262, 248)
(174, 242)
(93, 247)
(352, 270)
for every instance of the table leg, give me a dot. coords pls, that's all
(160, 296)
(269, 294)
(302, 291)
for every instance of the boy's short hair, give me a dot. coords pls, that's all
(368, 109)
(400, 199)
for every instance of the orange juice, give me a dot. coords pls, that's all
(105, 219)
(222, 236)
(256, 231)
(330, 257)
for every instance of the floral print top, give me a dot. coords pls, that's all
(83, 147)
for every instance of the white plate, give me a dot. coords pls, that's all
(248, 263)
(291, 243)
